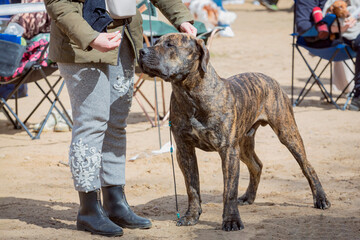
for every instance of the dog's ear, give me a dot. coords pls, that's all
(330, 9)
(204, 54)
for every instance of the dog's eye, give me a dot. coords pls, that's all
(169, 44)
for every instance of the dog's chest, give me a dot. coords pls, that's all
(197, 120)
(205, 134)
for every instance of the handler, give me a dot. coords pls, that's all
(100, 86)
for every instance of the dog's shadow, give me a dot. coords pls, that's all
(289, 227)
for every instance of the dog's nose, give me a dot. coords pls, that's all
(143, 51)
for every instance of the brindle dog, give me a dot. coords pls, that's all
(216, 114)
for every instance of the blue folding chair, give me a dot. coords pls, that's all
(338, 52)
(33, 72)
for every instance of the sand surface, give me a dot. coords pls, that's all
(37, 200)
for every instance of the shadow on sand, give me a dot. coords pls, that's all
(57, 215)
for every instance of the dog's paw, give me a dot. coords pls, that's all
(188, 220)
(245, 200)
(322, 202)
(232, 225)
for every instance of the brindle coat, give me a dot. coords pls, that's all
(216, 114)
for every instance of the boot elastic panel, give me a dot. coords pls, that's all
(119, 211)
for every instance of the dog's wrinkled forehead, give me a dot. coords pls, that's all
(340, 4)
(177, 39)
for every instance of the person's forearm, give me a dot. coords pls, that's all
(175, 11)
(303, 15)
(69, 20)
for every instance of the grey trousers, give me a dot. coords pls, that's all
(100, 96)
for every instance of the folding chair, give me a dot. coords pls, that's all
(35, 70)
(339, 52)
(156, 29)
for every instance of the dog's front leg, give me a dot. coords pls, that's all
(230, 167)
(186, 158)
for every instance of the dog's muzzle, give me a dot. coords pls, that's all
(149, 63)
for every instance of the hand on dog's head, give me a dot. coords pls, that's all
(174, 57)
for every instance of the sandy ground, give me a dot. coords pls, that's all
(37, 200)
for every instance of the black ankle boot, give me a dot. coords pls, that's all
(92, 217)
(119, 211)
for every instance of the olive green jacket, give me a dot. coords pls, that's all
(71, 34)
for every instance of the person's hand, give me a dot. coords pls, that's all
(106, 41)
(187, 27)
(348, 23)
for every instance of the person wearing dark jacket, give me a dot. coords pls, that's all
(99, 77)
(304, 21)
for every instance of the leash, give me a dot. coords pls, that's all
(158, 118)
(173, 169)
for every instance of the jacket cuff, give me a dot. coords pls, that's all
(83, 37)
(84, 43)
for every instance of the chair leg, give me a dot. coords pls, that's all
(146, 100)
(158, 119)
(51, 109)
(163, 97)
(42, 100)
(352, 80)
(137, 86)
(3, 103)
(56, 96)
(16, 106)
(317, 79)
(146, 114)
(292, 73)
(325, 93)
(21, 124)
(66, 118)
(348, 99)
(331, 78)
(156, 112)
(7, 114)
(302, 94)
(343, 91)
(37, 136)
(17, 118)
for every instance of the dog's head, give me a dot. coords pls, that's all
(339, 8)
(174, 57)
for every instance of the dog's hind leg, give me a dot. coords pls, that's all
(187, 161)
(284, 125)
(249, 157)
